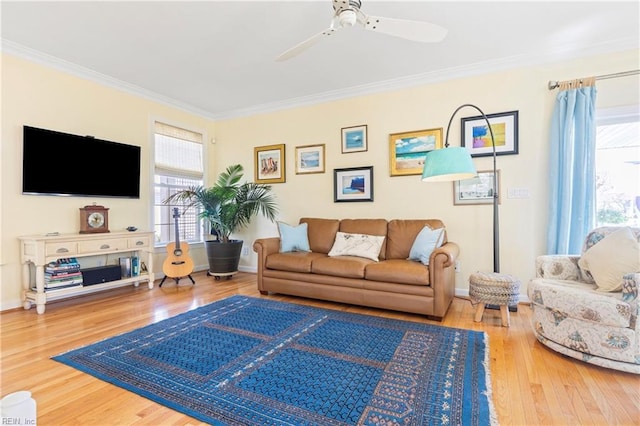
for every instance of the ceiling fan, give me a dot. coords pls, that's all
(347, 14)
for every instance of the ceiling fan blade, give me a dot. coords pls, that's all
(299, 48)
(411, 30)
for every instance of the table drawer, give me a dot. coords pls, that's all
(139, 242)
(102, 245)
(62, 248)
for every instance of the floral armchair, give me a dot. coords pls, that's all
(585, 307)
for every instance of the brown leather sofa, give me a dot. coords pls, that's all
(393, 282)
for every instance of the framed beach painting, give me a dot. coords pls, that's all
(477, 138)
(353, 184)
(269, 164)
(310, 159)
(354, 139)
(476, 190)
(407, 150)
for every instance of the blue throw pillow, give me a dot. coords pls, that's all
(293, 238)
(426, 241)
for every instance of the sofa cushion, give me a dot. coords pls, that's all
(398, 271)
(360, 245)
(594, 237)
(321, 233)
(425, 243)
(368, 227)
(293, 238)
(611, 258)
(403, 232)
(341, 266)
(599, 233)
(293, 261)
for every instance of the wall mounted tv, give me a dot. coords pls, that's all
(55, 163)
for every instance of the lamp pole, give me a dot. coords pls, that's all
(496, 226)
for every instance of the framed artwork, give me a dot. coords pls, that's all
(407, 150)
(269, 164)
(309, 159)
(477, 138)
(476, 190)
(354, 139)
(353, 184)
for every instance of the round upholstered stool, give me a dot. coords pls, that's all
(493, 289)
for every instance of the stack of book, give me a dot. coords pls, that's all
(129, 266)
(63, 273)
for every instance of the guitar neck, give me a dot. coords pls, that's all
(176, 215)
(177, 236)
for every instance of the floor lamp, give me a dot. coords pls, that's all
(454, 163)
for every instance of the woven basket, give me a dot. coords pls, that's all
(493, 288)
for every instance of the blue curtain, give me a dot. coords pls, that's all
(572, 169)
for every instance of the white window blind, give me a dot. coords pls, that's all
(178, 152)
(179, 164)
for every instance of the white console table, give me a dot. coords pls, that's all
(39, 250)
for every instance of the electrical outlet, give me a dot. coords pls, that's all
(245, 251)
(518, 193)
(457, 267)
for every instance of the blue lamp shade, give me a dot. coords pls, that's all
(448, 164)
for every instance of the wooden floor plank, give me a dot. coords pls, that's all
(614, 409)
(531, 383)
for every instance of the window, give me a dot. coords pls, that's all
(618, 168)
(178, 165)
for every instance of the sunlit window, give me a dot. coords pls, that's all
(618, 168)
(179, 164)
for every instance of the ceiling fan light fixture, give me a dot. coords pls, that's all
(347, 13)
(348, 18)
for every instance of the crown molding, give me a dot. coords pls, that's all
(36, 56)
(560, 53)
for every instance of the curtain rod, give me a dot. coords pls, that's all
(555, 84)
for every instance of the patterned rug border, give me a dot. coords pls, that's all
(65, 357)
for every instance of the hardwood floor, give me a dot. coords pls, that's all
(532, 385)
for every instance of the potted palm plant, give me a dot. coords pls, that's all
(228, 206)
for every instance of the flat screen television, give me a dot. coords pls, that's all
(56, 163)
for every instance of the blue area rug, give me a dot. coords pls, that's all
(251, 361)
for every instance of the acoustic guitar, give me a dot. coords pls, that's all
(178, 264)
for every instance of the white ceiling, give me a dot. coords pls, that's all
(217, 58)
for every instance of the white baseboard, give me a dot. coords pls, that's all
(460, 292)
(10, 305)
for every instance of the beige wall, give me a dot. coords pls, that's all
(43, 97)
(522, 221)
(39, 96)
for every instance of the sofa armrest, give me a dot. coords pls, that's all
(446, 254)
(558, 267)
(630, 287)
(267, 246)
(442, 276)
(264, 247)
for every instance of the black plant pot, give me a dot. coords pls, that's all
(223, 257)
